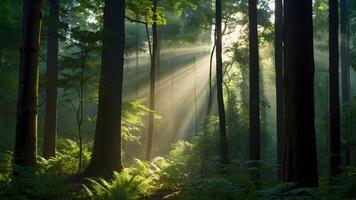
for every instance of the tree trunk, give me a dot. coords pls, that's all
(106, 156)
(210, 95)
(345, 73)
(335, 143)
(254, 88)
(279, 84)
(300, 148)
(50, 134)
(152, 82)
(224, 152)
(80, 110)
(27, 105)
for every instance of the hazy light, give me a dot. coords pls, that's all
(178, 82)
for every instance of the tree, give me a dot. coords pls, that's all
(153, 18)
(345, 72)
(254, 86)
(50, 134)
(106, 156)
(279, 83)
(79, 68)
(152, 81)
(230, 22)
(224, 151)
(335, 157)
(27, 105)
(300, 148)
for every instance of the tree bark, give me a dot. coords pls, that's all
(300, 148)
(152, 82)
(80, 109)
(106, 156)
(27, 104)
(224, 152)
(254, 88)
(335, 143)
(50, 134)
(345, 73)
(210, 95)
(279, 84)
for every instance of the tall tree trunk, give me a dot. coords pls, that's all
(210, 95)
(335, 143)
(254, 87)
(50, 134)
(27, 104)
(224, 152)
(106, 156)
(80, 110)
(152, 81)
(345, 73)
(279, 84)
(300, 149)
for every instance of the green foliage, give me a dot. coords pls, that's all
(213, 188)
(179, 173)
(181, 162)
(38, 182)
(46, 179)
(132, 120)
(190, 170)
(10, 26)
(143, 9)
(341, 187)
(141, 179)
(10, 15)
(130, 184)
(5, 169)
(66, 160)
(320, 20)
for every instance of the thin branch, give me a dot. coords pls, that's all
(147, 31)
(135, 20)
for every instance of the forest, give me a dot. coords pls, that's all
(177, 99)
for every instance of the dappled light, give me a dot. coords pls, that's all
(177, 99)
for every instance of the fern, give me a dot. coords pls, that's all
(124, 185)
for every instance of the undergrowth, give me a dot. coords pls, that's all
(182, 172)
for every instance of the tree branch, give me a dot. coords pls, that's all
(135, 20)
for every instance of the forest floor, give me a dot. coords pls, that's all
(180, 175)
(163, 195)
